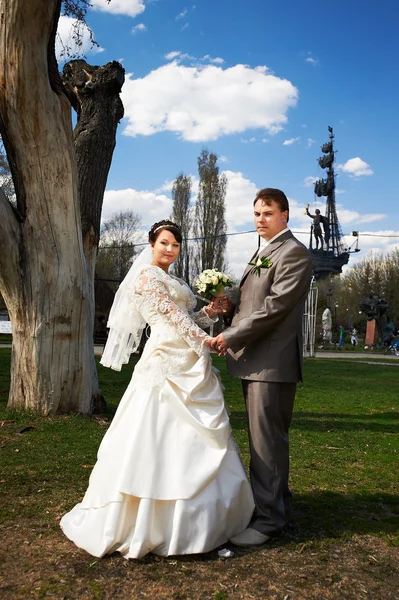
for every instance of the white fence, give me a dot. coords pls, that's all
(309, 321)
(5, 327)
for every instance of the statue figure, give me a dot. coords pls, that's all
(317, 221)
(326, 229)
(374, 307)
(327, 325)
(354, 338)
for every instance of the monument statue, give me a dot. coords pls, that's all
(326, 320)
(317, 222)
(374, 307)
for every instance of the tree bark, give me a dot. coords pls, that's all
(94, 94)
(43, 276)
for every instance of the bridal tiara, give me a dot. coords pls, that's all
(166, 225)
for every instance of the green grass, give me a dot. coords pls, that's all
(343, 540)
(344, 447)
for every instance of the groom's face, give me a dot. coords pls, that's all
(269, 220)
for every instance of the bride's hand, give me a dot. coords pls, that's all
(219, 305)
(212, 345)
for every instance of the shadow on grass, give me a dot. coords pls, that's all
(325, 514)
(320, 421)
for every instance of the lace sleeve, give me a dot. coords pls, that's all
(149, 289)
(202, 318)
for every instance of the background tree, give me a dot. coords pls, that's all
(377, 275)
(43, 271)
(209, 222)
(182, 215)
(119, 236)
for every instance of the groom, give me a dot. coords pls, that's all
(264, 344)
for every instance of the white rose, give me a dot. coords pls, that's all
(258, 262)
(214, 280)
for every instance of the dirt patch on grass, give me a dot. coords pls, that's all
(37, 561)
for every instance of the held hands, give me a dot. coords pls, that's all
(217, 344)
(219, 305)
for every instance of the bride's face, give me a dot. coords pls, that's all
(165, 250)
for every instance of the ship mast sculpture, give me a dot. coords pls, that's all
(329, 254)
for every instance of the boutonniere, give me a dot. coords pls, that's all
(260, 263)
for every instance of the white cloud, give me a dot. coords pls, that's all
(184, 26)
(291, 141)
(177, 55)
(202, 103)
(182, 14)
(150, 206)
(240, 195)
(310, 142)
(345, 215)
(139, 27)
(311, 60)
(215, 61)
(64, 43)
(131, 8)
(356, 167)
(352, 216)
(223, 159)
(309, 182)
(165, 187)
(173, 54)
(154, 205)
(371, 242)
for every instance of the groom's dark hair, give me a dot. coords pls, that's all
(269, 194)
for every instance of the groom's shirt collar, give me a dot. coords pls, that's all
(264, 243)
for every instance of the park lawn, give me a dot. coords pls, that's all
(342, 542)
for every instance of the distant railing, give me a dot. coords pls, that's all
(309, 321)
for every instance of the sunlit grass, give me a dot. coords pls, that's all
(344, 449)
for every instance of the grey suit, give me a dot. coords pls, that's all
(265, 341)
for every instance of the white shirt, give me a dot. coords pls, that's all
(264, 243)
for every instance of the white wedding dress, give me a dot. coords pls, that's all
(168, 478)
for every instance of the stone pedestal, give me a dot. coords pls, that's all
(371, 333)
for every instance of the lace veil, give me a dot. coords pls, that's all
(125, 323)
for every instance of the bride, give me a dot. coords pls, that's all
(168, 477)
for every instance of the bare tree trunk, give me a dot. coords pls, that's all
(43, 275)
(94, 94)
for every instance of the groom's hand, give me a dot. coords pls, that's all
(221, 305)
(220, 344)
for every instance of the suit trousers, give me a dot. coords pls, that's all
(269, 407)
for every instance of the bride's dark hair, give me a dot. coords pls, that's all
(169, 226)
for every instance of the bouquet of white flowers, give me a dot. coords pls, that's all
(212, 282)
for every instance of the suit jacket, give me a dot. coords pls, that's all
(265, 336)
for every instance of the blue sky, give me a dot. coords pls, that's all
(258, 83)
